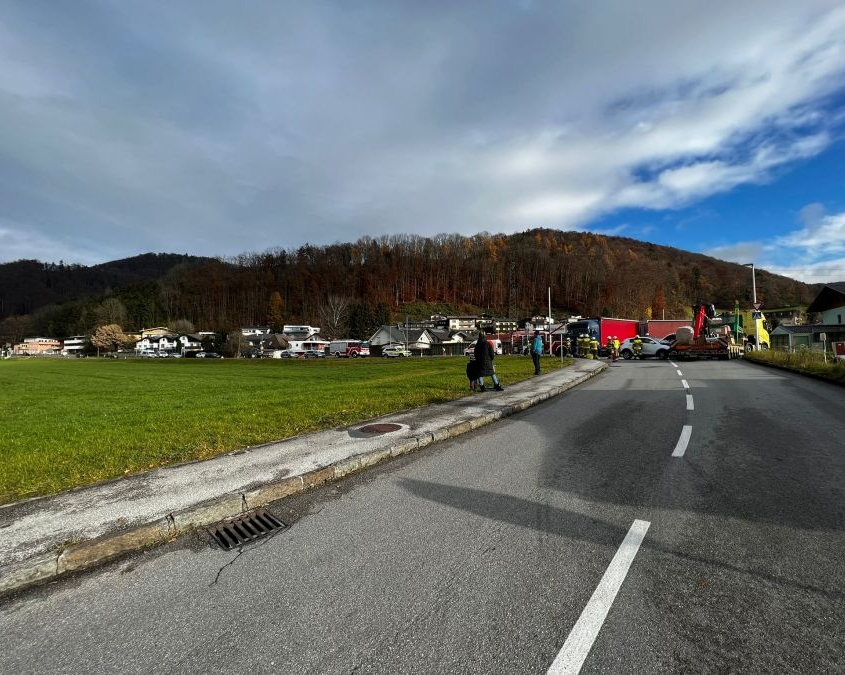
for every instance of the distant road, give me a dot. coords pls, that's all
(661, 518)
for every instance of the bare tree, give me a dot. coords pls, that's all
(333, 315)
(181, 326)
(111, 311)
(235, 343)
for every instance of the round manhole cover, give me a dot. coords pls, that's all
(380, 428)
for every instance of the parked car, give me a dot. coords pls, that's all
(148, 354)
(395, 351)
(252, 353)
(651, 347)
(497, 347)
(209, 355)
(314, 354)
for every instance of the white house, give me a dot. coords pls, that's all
(248, 331)
(159, 344)
(74, 345)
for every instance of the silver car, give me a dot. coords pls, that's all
(651, 347)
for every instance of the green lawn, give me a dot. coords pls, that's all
(71, 422)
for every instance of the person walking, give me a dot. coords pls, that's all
(536, 351)
(484, 355)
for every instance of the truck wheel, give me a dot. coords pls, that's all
(337, 355)
(627, 354)
(354, 355)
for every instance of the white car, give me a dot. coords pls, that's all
(395, 351)
(651, 347)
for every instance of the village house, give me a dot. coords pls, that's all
(830, 304)
(74, 345)
(35, 346)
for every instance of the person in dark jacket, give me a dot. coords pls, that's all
(484, 355)
(472, 373)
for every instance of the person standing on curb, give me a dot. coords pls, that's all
(536, 351)
(484, 355)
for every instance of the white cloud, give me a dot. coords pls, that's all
(743, 252)
(195, 124)
(821, 238)
(813, 253)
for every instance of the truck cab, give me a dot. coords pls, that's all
(757, 332)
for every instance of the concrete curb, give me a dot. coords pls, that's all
(90, 553)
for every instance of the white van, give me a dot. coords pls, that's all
(497, 347)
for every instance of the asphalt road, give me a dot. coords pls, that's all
(484, 553)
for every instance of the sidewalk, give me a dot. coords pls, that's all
(46, 537)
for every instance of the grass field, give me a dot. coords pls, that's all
(804, 361)
(72, 422)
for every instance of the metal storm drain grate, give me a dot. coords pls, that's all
(243, 529)
(380, 428)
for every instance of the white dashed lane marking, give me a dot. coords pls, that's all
(571, 656)
(683, 441)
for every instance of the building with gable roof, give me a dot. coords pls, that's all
(830, 304)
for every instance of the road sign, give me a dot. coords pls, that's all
(758, 305)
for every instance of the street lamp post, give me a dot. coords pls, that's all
(753, 284)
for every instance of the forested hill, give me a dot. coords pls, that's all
(27, 285)
(398, 276)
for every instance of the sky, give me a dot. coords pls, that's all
(220, 128)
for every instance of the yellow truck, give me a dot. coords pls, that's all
(749, 328)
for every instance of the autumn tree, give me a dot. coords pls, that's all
(274, 312)
(109, 338)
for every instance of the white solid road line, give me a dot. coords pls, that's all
(571, 656)
(683, 441)
(690, 405)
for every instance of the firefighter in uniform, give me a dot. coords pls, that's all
(615, 347)
(594, 347)
(638, 347)
(584, 346)
(566, 346)
(609, 347)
